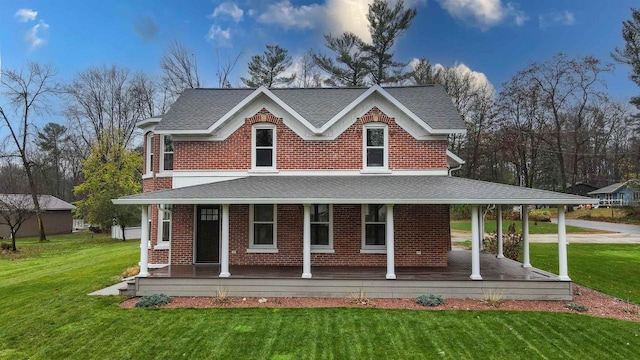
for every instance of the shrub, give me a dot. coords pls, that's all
(511, 244)
(576, 307)
(153, 300)
(511, 214)
(6, 246)
(132, 271)
(540, 215)
(430, 300)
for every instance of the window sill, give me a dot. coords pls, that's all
(161, 247)
(322, 251)
(376, 171)
(165, 174)
(147, 176)
(373, 251)
(263, 171)
(258, 251)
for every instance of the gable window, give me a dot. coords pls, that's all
(167, 152)
(149, 159)
(262, 230)
(264, 146)
(321, 227)
(375, 146)
(374, 223)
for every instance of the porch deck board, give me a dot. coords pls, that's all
(503, 276)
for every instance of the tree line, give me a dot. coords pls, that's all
(550, 126)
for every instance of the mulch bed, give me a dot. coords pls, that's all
(596, 303)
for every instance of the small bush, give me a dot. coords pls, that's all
(540, 215)
(6, 246)
(511, 214)
(153, 300)
(132, 271)
(430, 300)
(576, 307)
(492, 297)
(511, 244)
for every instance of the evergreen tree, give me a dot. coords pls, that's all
(630, 54)
(267, 69)
(350, 68)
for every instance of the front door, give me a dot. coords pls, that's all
(208, 234)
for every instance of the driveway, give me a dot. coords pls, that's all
(598, 225)
(608, 238)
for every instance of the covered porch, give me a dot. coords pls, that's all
(466, 274)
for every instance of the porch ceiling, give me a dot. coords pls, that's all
(363, 189)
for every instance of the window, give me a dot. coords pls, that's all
(167, 153)
(264, 146)
(321, 226)
(262, 231)
(375, 152)
(164, 223)
(374, 227)
(149, 165)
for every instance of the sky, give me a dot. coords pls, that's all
(494, 38)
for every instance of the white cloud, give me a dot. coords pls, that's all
(348, 15)
(24, 15)
(32, 36)
(216, 33)
(478, 80)
(290, 16)
(565, 18)
(484, 14)
(230, 9)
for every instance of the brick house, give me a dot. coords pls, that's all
(284, 184)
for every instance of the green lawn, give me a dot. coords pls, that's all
(539, 228)
(46, 314)
(610, 268)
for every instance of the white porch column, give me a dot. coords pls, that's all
(526, 262)
(391, 266)
(224, 256)
(499, 231)
(475, 244)
(306, 242)
(562, 246)
(144, 243)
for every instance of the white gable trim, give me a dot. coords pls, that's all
(330, 130)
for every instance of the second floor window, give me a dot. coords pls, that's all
(149, 159)
(167, 153)
(264, 146)
(375, 152)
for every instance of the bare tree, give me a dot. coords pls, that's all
(224, 70)
(308, 75)
(27, 91)
(423, 73)
(15, 210)
(180, 68)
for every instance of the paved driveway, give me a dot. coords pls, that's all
(620, 228)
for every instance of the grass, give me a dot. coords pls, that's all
(613, 269)
(539, 228)
(46, 314)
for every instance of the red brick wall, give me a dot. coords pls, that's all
(182, 235)
(423, 228)
(292, 152)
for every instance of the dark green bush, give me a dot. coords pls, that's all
(430, 300)
(153, 300)
(576, 307)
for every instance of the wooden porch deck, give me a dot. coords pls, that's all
(503, 276)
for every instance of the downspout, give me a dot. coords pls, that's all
(451, 170)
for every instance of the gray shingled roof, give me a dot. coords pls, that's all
(608, 189)
(46, 202)
(197, 109)
(354, 190)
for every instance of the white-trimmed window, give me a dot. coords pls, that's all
(374, 227)
(263, 228)
(321, 227)
(263, 147)
(164, 224)
(149, 157)
(375, 146)
(166, 151)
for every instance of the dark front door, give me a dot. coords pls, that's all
(208, 234)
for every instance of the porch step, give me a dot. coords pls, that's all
(129, 289)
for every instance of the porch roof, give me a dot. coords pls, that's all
(363, 189)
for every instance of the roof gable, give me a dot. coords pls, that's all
(202, 111)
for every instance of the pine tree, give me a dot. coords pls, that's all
(267, 69)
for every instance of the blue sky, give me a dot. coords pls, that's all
(492, 37)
